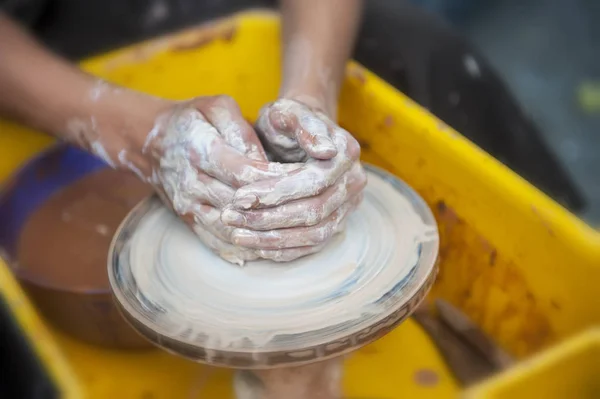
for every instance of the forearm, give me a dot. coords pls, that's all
(46, 92)
(318, 38)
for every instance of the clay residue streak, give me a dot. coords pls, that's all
(356, 280)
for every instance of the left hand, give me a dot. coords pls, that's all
(306, 207)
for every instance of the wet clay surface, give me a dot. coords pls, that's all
(65, 242)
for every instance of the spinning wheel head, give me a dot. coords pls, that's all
(187, 300)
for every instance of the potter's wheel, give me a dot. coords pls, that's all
(184, 298)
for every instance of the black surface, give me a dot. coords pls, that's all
(80, 28)
(21, 373)
(424, 57)
(413, 50)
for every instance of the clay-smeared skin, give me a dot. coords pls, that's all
(293, 132)
(201, 152)
(209, 165)
(318, 195)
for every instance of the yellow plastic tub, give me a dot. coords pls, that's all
(517, 263)
(570, 370)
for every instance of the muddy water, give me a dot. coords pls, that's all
(64, 243)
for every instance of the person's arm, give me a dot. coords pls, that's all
(48, 93)
(196, 153)
(300, 125)
(318, 38)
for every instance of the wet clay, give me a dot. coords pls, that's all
(65, 242)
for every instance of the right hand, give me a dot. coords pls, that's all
(303, 209)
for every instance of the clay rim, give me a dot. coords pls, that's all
(414, 292)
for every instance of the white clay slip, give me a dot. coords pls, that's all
(167, 280)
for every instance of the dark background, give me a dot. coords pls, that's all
(535, 55)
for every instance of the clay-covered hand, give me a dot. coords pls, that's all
(200, 152)
(300, 211)
(292, 131)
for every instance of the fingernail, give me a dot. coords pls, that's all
(282, 121)
(244, 237)
(246, 201)
(277, 120)
(233, 218)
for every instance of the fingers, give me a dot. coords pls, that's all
(225, 115)
(276, 128)
(194, 142)
(288, 255)
(296, 236)
(290, 126)
(239, 255)
(186, 190)
(205, 222)
(210, 218)
(232, 168)
(309, 180)
(305, 212)
(225, 250)
(279, 211)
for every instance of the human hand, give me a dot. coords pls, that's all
(311, 203)
(301, 210)
(293, 131)
(199, 153)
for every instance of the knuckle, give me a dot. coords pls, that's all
(194, 103)
(322, 233)
(314, 215)
(362, 177)
(353, 147)
(318, 180)
(225, 101)
(254, 219)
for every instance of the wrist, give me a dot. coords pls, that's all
(47, 93)
(113, 123)
(316, 99)
(308, 77)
